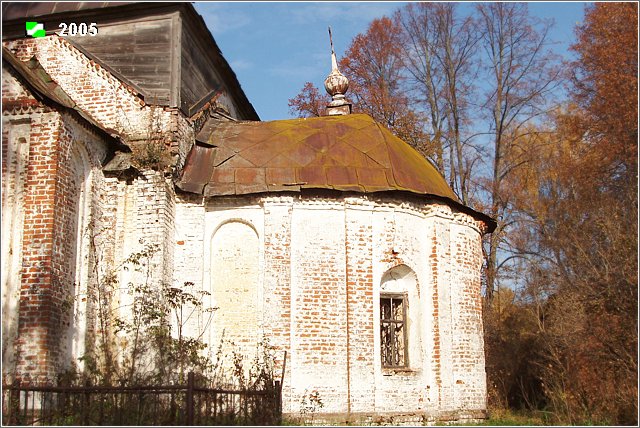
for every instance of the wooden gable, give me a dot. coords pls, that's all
(163, 50)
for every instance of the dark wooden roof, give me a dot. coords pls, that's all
(137, 43)
(349, 153)
(18, 10)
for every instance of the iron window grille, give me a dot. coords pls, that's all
(393, 331)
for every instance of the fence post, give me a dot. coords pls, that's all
(278, 404)
(190, 386)
(279, 387)
(284, 367)
(26, 407)
(14, 404)
(87, 402)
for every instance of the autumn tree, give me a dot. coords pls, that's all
(577, 202)
(593, 224)
(437, 47)
(512, 330)
(310, 102)
(580, 241)
(511, 348)
(377, 82)
(523, 76)
(605, 83)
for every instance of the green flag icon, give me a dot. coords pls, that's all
(35, 29)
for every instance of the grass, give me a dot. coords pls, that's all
(506, 417)
(497, 417)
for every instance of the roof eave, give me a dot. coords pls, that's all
(59, 99)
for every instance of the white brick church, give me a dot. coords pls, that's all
(328, 236)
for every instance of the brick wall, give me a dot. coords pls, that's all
(53, 184)
(56, 318)
(39, 319)
(78, 212)
(15, 152)
(468, 344)
(277, 281)
(138, 215)
(188, 240)
(113, 104)
(443, 281)
(318, 303)
(400, 235)
(65, 192)
(94, 89)
(323, 262)
(360, 305)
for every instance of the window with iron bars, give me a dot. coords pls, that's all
(393, 331)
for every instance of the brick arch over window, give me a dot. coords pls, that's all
(235, 289)
(400, 279)
(236, 220)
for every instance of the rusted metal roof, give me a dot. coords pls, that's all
(345, 153)
(350, 153)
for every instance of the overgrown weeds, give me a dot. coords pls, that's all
(510, 417)
(144, 339)
(144, 332)
(153, 152)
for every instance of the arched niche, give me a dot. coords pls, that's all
(80, 327)
(13, 192)
(235, 292)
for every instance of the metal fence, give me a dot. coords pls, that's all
(189, 404)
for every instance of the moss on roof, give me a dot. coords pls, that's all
(345, 153)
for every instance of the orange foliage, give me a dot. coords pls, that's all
(606, 79)
(309, 102)
(577, 211)
(375, 71)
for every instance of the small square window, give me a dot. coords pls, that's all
(393, 331)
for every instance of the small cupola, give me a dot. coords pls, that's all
(336, 85)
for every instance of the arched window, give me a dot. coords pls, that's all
(393, 331)
(399, 318)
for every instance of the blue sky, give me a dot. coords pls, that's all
(275, 47)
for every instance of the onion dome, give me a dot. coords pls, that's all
(336, 85)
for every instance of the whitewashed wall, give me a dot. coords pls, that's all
(320, 265)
